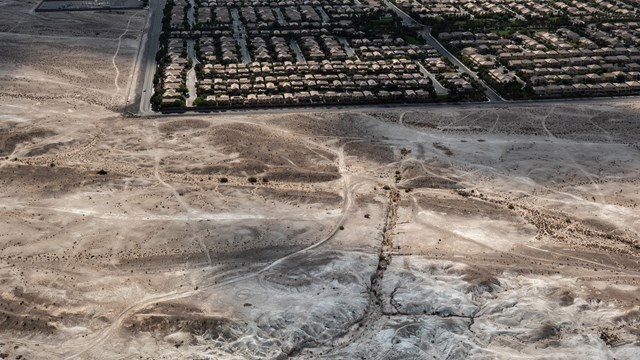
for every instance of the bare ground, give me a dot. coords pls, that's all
(460, 233)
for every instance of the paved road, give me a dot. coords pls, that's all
(240, 34)
(426, 35)
(146, 66)
(347, 48)
(191, 13)
(403, 107)
(191, 54)
(281, 20)
(515, 14)
(192, 81)
(406, 19)
(325, 17)
(293, 44)
(488, 91)
(440, 90)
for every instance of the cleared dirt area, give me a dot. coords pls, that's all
(444, 232)
(72, 60)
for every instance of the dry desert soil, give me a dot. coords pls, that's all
(443, 232)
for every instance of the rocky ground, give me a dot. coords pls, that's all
(446, 232)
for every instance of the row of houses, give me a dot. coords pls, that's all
(616, 34)
(270, 84)
(394, 67)
(603, 89)
(286, 13)
(573, 53)
(307, 97)
(594, 62)
(178, 14)
(583, 11)
(590, 78)
(173, 73)
(563, 43)
(453, 80)
(281, 3)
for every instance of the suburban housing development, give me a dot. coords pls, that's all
(256, 53)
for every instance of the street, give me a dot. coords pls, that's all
(429, 39)
(150, 43)
(321, 107)
(146, 65)
(440, 90)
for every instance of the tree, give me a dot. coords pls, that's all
(156, 100)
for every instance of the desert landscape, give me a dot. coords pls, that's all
(447, 231)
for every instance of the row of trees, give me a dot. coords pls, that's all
(162, 57)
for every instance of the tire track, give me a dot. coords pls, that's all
(113, 59)
(102, 336)
(572, 158)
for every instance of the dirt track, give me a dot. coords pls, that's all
(515, 229)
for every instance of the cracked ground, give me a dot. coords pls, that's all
(336, 235)
(447, 232)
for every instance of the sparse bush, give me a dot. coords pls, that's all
(102, 172)
(224, 180)
(252, 180)
(609, 338)
(464, 193)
